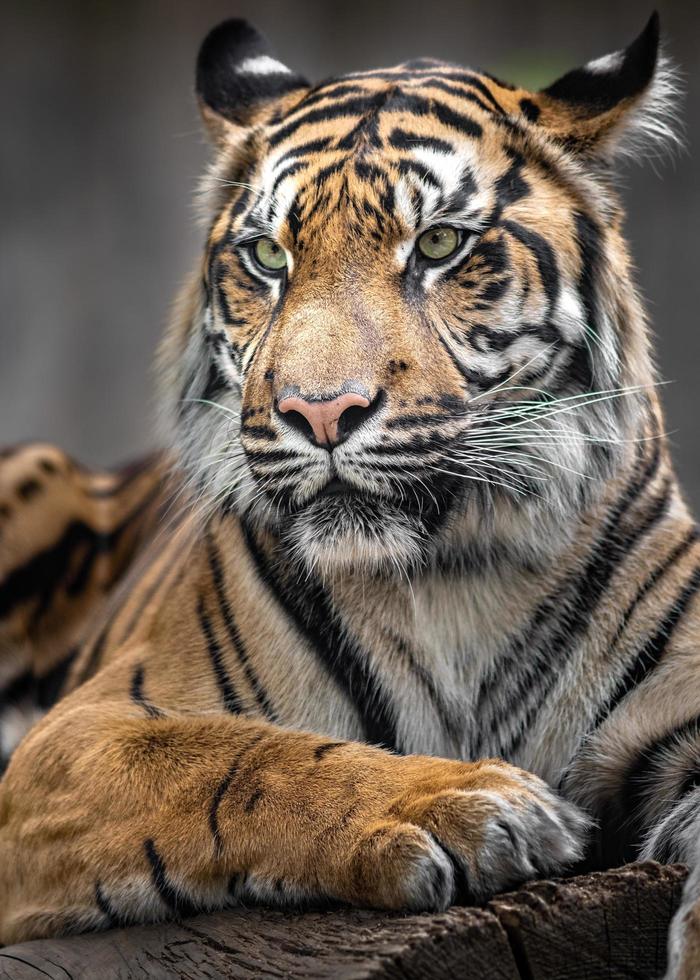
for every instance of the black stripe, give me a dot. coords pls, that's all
(114, 919)
(41, 577)
(272, 455)
(234, 634)
(681, 549)
(589, 235)
(453, 726)
(473, 81)
(587, 592)
(215, 382)
(544, 256)
(651, 654)
(310, 609)
(497, 339)
(228, 693)
(305, 149)
(625, 823)
(137, 695)
(402, 139)
(510, 187)
(461, 93)
(409, 421)
(263, 432)
(577, 591)
(323, 93)
(365, 132)
(221, 791)
(290, 171)
(439, 72)
(456, 120)
(321, 751)
(391, 101)
(253, 800)
(422, 172)
(639, 775)
(354, 106)
(491, 293)
(178, 903)
(474, 379)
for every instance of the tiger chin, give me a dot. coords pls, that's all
(414, 554)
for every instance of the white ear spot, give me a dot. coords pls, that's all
(263, 64)
(608, 64)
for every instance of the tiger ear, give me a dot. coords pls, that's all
(239, 82)
(622, 103)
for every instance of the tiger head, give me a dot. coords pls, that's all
(414, 320)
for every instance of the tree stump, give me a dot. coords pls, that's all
(603, 926)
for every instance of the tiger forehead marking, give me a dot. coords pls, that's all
(348, 204)
(419, 172)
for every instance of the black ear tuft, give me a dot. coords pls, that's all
(600, 85)
(624, 104)
(237, 73)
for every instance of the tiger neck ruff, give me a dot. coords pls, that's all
(416, 511)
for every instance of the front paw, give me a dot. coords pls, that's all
(464, 836)
(684, 934)
(684, 944)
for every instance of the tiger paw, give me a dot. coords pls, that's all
(684, 934)
(464, 838)
(684, 944)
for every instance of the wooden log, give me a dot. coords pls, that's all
(609, 925)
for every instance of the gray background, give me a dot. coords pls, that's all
(101, 149)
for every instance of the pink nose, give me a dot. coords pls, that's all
(327, 418)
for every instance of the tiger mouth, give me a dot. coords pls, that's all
(337, 488)
(341, 497)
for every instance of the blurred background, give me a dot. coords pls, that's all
(101, 149)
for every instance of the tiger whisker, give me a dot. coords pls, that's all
(522, 368)
(480, 479)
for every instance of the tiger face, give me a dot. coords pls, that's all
(414, 318)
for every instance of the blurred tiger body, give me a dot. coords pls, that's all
(420, 503)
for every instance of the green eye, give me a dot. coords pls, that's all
(270, 255)
(438, 243)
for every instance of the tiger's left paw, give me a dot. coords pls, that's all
(684, 944)
(684, 934)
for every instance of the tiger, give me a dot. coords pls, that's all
(404, 612)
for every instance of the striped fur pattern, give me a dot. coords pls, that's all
(290, 670)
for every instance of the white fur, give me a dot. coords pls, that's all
(651, 126)
(608, 64)
(262, 64)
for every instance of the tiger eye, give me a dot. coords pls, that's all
(270, 255)
(438, 243)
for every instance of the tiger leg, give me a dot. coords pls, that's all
(681, 843)
(108, 816)
(676, 838)
(639, 769)
(67, 535)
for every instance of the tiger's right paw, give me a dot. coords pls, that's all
(464, 836)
